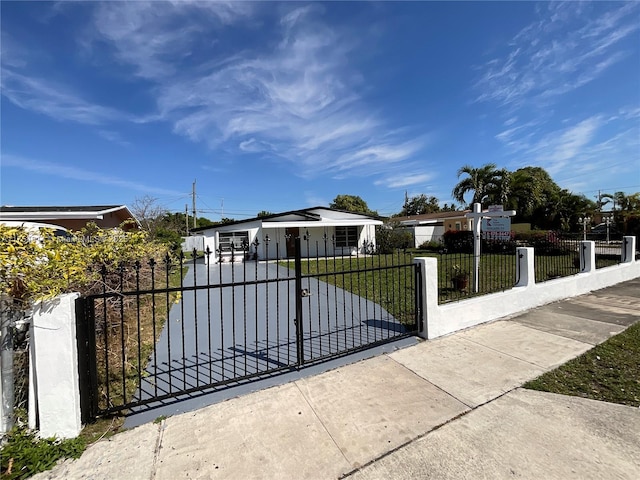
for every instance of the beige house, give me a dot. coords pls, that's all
(430, 227)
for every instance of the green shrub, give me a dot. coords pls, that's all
(392, 236)
(458, 241)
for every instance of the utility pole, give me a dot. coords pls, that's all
(186, 213)
(193, 195)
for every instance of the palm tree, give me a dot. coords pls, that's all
(482, 181)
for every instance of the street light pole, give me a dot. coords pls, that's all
(607, 221)
(584, 222)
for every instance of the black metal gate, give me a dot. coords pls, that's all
(222, 324)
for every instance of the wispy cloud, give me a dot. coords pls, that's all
(567, 48)
(113, 137)
(571, 45)
(399, 181)
(296, 98)
(73, 173)
(53, 100)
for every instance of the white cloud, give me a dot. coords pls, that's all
(73, 173)
(54, 100)
(295, 96)
(406, 180)
(567, 48)
(295, 99)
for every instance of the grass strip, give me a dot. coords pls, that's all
(609, 372)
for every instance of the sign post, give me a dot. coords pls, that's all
(477, 215)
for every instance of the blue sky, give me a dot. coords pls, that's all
(280, 106)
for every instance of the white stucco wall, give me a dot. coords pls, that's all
(448, 318)
(427, 233)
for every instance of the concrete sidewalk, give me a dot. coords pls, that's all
(446, 408)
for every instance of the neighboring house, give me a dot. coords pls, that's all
(346, 233)
(430, 227)
(71, 217)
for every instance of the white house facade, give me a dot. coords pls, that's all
(324, 232)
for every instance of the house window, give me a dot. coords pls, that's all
(226, 239)
(458, 226)
(347, 236)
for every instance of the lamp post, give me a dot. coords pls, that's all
(584, 222)
(608, 221)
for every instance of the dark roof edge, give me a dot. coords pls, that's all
(303, 211)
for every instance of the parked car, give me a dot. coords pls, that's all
(33, 228)
(599, 232)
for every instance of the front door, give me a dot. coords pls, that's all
(290, 235)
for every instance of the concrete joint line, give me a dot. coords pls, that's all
(156, 450)
(567, 336)
(421, 436)
(322, 423)
(430, 383)
(522, 359)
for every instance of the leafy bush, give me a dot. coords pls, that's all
(544, 243)
(40, 266)
(391, 236)
(431, 245)
(458, 241)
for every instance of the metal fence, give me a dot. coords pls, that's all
(555, 255)
(179, 334)
(456, 268)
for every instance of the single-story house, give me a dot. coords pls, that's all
(430, 227)
(72, 217)
(328, 232)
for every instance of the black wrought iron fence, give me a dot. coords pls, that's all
(555, 255)
(456, 266)
(220, 324)
(609, 253)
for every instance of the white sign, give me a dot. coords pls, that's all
(497, 228)
(496, 224)
(496, 208)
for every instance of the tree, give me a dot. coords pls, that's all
(481, 181)
(534, 196)
(148, 213)
(352, 203)
(392, 235)
(569, 208)
(264, 213)
(499, 191)
(419, 205)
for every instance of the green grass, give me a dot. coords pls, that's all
(497, 273)
(609, 372)
(24, 454)
(374, 278)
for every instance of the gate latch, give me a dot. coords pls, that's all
(305, 293)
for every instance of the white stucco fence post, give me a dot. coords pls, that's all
(54, 368)
(628, 249)
(429, 273)
(525, 267)
(587, 256)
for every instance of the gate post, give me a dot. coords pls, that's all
(298, 295)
